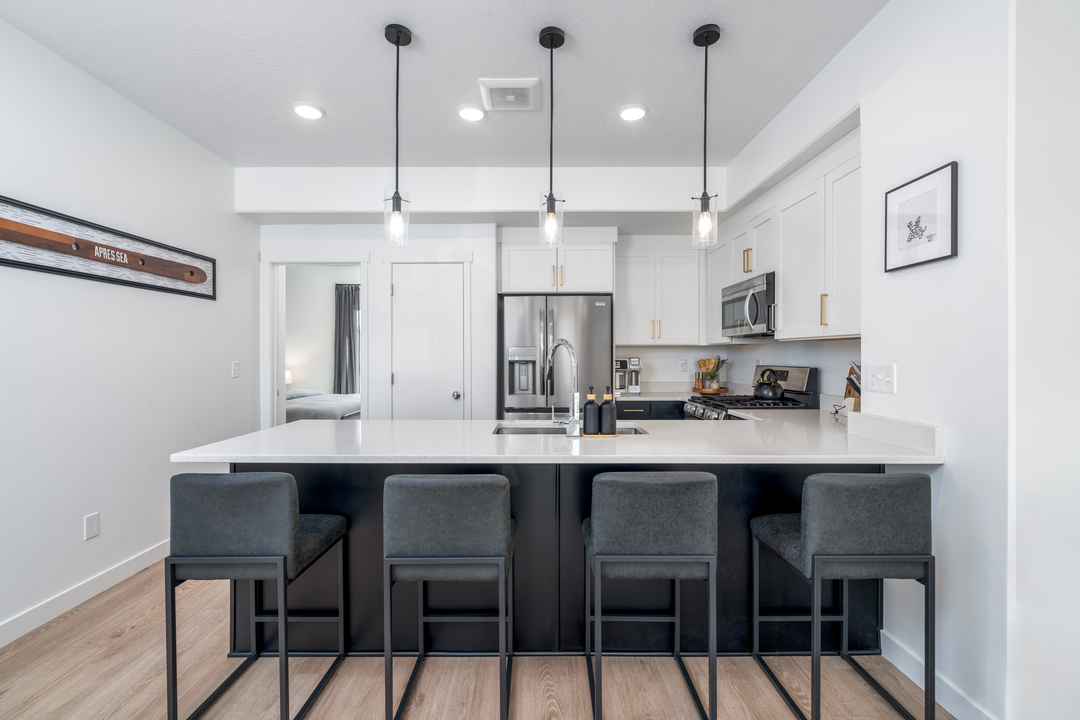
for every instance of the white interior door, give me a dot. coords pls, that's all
(428, 341)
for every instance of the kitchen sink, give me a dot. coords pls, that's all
(549, 429)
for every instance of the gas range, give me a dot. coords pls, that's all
(800, 393)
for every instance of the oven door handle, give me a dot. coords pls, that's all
(746, 309)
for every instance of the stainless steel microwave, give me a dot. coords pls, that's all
(748, 309)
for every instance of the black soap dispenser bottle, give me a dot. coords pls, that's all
(592, 414)
(607, 415)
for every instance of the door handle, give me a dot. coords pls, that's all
(652, 329)
(744, 260)
(457, 395)
(772, 316)
(823, 296)
(542, 360)
(561, 282)
(552, 276)
(749, 259)
(658, 332)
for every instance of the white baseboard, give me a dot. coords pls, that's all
(15, 627)
(950, 697)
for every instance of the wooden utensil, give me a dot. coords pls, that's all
(31, 236)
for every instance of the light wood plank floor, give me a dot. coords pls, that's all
(106, 660)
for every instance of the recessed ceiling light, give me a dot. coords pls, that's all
(308, 111)
(472, 113)
(632, 112)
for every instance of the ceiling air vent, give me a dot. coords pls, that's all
(510, 93)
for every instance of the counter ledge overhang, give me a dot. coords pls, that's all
(770, 437)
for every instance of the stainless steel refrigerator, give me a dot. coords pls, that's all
(528, 325)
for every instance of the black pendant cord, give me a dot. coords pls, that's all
(397, 110)
(705, 131)
(551, 123)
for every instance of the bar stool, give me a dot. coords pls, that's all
(248, 526)
(448, 527)
(852, 527)
(651, 526)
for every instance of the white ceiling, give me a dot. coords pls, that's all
(225, 73)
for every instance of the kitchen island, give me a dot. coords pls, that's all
(760, 463)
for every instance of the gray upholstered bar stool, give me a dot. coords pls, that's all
(448, 527)
(650, 526)
(852, 527)
(248, 526)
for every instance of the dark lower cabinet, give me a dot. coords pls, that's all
(649, 410)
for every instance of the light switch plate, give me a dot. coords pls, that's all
(682, 366)
(879, 378)
(235, 368)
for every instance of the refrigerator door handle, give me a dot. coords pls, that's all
(549, 379)
(541, 364)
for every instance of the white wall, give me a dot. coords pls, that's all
(309, 321)
(930, 78)
(1044, 666)
(103, 382)
(472, 244)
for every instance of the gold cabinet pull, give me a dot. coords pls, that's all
(749, 259)
(652, 329)
(561, 275)
(823, 296)
(658, 326)
(552, 276)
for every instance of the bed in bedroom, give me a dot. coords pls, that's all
(316, 405)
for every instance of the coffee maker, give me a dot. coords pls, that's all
(633, 377)
(622, 367)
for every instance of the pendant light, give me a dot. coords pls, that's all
(396, 207)
(704, 207)
(551, 212)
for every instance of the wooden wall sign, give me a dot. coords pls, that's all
(38, 239)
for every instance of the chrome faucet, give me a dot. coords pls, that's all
(573, 425)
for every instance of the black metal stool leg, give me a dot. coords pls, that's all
(712, 640)
(929, 649)
(815, 645)
(170, 639)
(504, 695)
(598, 614)
(388, 652)
(283, 639)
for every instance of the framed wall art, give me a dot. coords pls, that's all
(37, 239)
(920, 219)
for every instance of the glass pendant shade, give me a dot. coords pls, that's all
(703, 230)
(396, 218)
(551, 219)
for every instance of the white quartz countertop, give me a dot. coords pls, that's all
(770, 437)
(680, 396)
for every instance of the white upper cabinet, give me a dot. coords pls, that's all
(800, 283)
(635, 322)
(585, 267)
(818, 289)
(528, 268)
(656, 297)
(570, 268)
(843, 231)
(753, 246)
(719, 276)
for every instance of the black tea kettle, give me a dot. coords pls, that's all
(768, 386)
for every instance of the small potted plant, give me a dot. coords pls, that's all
(712, 372)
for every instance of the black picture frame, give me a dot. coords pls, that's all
(938, 181)
(150, 244)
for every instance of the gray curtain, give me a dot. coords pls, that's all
(347, 339)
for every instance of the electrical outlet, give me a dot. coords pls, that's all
(682, 366)
(91, 526)
(879, 378)
(236, 368)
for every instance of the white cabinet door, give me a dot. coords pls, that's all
(585, 267)
(761, 255)
(800, 284)
(635, 321)
(528, 268)
(843, 231)
(676, 297)
(719, 277)
(428, 341)
(740, 246)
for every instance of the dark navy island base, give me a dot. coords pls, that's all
(548, 503)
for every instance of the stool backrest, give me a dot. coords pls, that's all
(239, 514)
(668, 513)
(855, 514)
(446, 516)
